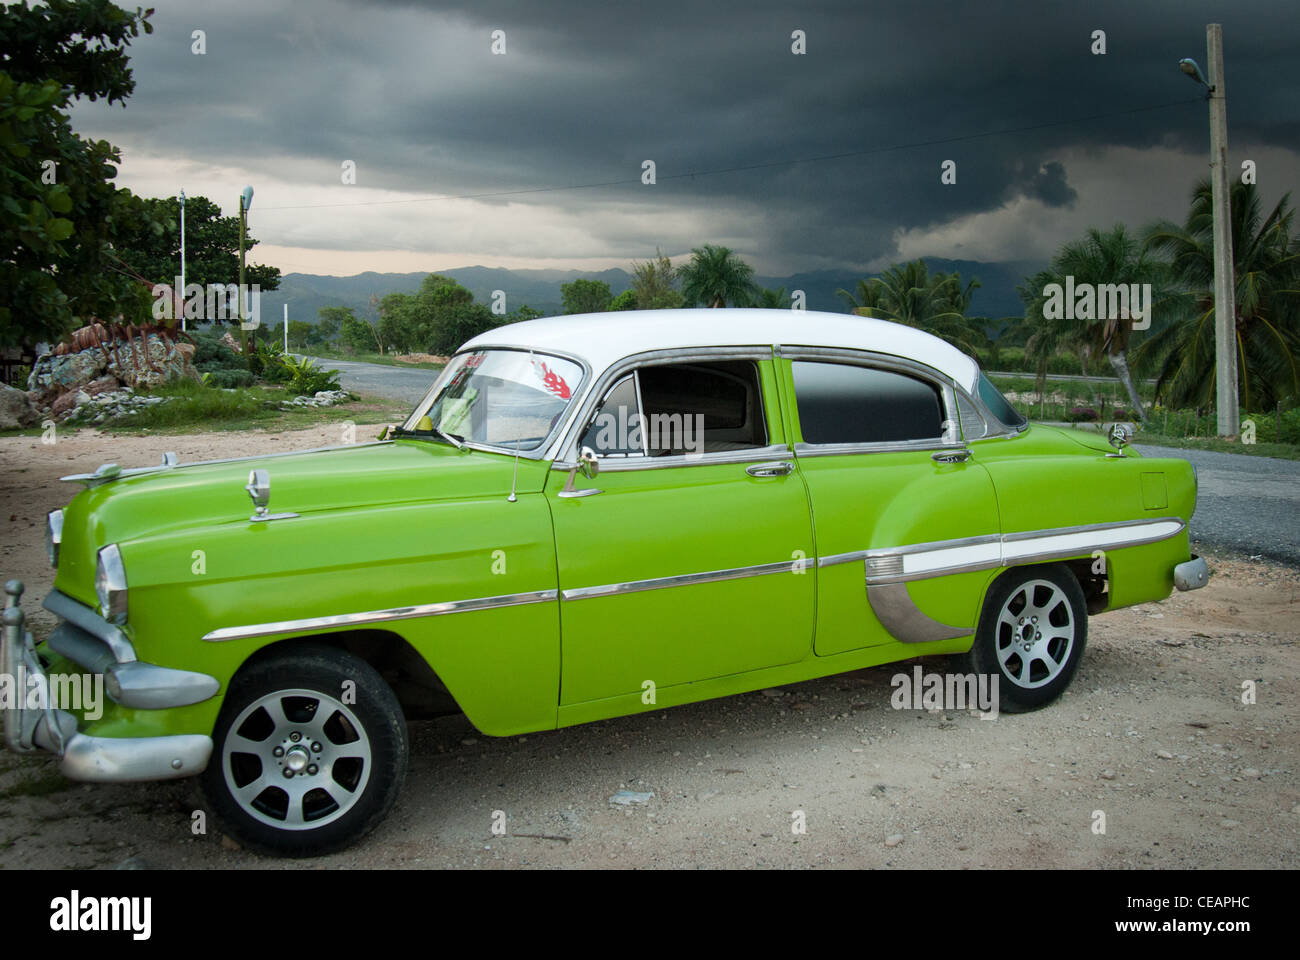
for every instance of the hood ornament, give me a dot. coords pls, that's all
(259, 489)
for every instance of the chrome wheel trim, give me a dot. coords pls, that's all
(1034, 634)
(314, 759)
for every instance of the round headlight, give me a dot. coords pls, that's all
(53, 535)
(110, 584)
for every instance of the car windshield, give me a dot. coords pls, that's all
(999, 405)
(499, 398)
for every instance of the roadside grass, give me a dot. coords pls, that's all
(386, 360)
(194, 408)
(1184, 429)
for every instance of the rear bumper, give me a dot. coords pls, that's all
(1192, 574)
(41, 725)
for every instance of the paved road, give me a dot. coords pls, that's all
(1058, 376)
(376, 379)
(1247, 504)
(1250, 504)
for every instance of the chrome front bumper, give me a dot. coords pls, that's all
(1192, 574)
(98, 759)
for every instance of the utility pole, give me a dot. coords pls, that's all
(243, 222)
(1225, 307)
(286, 328)
(182, 290)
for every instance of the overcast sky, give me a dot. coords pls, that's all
(585, 92)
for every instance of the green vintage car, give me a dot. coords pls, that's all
(585, 517)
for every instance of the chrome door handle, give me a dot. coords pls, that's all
(770, 469)
(950, 456)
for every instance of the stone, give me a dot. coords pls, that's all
(16, 409)
(893, 840)
(626, 798)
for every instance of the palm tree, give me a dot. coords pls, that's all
(769, 299)
(908, 293)
(715, 276)
(1111, 257)
(1266, 265)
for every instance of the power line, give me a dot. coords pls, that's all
(755, 166)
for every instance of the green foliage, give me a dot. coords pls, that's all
(937, 302)
(306, 378)
(716, 277)
(358, 336)
(1266, 258)
(769, 299)
(624, 301)
(229, 378)
(211, 355)
(586, 296)
(151, 246)
(654, 283)
(329, 323)
(436, 319)
(60, 214)
(525, 312)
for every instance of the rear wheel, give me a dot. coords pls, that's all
(1031, 635)
(309, 753)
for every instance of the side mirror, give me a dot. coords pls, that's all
(588, 463)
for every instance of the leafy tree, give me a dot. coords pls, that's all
(770, 299)
(329, 322)
(152, 246)
(299, 333)
(60, 214)
(654, 284)
(1266, 271)
(525, 312)
(715, 276)
(359, 336)
(624, 301)
(586, 296)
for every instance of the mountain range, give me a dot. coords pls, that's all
(306, 293)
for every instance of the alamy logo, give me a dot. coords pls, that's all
(58, 691)
(102, 914)
(219, 301)
(945, 691)
(1098, 301)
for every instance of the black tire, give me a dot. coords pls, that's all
(349, 766)
(1031, 665)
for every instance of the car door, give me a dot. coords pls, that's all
(686, 557)
(904, 515)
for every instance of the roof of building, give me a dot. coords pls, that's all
(603, 339)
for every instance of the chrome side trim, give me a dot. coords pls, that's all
(681, 580)
(938, 558)
(378, 616)
(62, 605)
(751, 455)
(897, 613)
(92, 480)
(802, 449)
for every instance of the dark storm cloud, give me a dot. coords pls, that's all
(588, 90)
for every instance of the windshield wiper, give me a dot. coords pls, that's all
(457, 442)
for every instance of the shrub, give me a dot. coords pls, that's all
(229, 378)
(306, 378)
(1082, 415)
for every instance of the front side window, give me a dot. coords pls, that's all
(680, 409)
(502, 398)
(842, 403)
(999, 405)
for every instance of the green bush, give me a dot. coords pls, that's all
(210, 354)
(305, 378)
(229, 378)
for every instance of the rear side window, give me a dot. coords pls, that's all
(842, 403)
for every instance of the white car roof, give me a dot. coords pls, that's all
(602, 339)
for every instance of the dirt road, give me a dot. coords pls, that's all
(1153, 735)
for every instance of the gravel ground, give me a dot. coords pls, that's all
(1152, 734)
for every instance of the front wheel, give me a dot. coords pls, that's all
(1031, 635)
(309, 753)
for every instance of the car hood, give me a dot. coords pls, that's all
(358, 477)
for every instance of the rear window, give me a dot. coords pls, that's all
(841, 403)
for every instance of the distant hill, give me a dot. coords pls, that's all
(307, 293)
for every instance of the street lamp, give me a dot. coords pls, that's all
(1225, 308)
(182, 290)
(245, 201)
